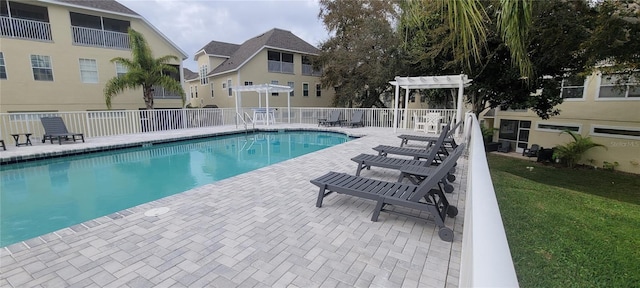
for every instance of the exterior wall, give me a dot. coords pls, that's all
(20, 92)
(255, 71)
(587, 113)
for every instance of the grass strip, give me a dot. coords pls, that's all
(563, 229)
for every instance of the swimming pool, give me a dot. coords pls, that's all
(43, 196)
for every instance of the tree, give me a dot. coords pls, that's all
(469, 25)
(553, 48)
(361, 57)
(143, 71)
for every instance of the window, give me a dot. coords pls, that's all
(279, 62)
(42, 70)
(191, 91)
(292, 85)
(275, 82)
(618, 86)
(212, 87)
(616, 132)
(3, 67)
(557, 127)
(572, 87)
(204, 70)
(318, 90)
(24, 11)
(305, 89)
(229, 87)
(307, 67)
(121, 70)
(248, 83)
(88, 70)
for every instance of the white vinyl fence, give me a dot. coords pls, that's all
(122, 122)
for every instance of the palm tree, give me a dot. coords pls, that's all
(468, 19)
(572, 152)
(143, 71)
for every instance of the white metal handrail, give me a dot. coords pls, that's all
(25, 29)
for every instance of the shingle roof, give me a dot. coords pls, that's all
(189, 75)
(220, 48)
(274, 38)
(108, 5)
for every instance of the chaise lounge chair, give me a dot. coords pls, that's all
(356, 119)
(417, 174)
(416, 153)
(54, 128)
(428, 196)
(449, 140)
(334, 119)
(4, 148)
(366, 161)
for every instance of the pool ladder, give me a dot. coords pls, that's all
(244, 121)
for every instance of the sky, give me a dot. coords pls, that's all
(191, 24)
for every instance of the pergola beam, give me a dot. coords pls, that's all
(429, 82)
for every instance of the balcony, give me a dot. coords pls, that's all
(99, 38)
(25, 29)
(280, 67)
(308, 70)
(160, 93)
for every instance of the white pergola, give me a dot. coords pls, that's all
(429, 82)
(267, 89)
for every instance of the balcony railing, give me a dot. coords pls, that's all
(280, 67)
(160, 93)
(99, 38)
(308, 70)
(25, 29)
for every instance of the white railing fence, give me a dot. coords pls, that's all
(122, 122)
(25, 29)
(486, 259)
(100, 38)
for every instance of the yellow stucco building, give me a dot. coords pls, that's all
(55, 55)
(274, 57)
(599, 106)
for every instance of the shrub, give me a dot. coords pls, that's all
(572, 152)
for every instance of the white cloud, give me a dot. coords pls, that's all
(191, 24)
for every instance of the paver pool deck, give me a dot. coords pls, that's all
(257, 229)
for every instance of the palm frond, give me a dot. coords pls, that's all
(514, 21)
(466, 20)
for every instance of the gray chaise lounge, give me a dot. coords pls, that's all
(428, 196)
(54, 128)
(356, 119)
(449, 140)
(334, 119)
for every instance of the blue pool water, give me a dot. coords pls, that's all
(44, 196)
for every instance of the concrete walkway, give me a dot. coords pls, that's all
(258, 229)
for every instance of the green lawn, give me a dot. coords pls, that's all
(569, 227)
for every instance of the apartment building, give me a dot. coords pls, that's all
(55, 55)
(274, 57)
(603, 107)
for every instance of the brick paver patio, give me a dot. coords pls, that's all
(258, 229)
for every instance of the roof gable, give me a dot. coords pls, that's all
(220, 48)
(274, 38)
